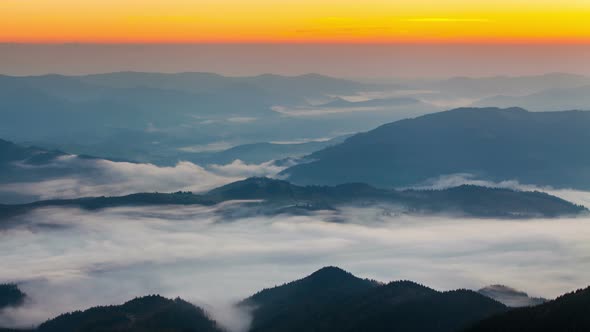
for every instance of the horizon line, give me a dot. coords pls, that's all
(482, 42)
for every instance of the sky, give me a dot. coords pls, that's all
(221, 21)
(345, 38)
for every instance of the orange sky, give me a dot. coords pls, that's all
(219, 21)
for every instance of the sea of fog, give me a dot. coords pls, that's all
(67, 259)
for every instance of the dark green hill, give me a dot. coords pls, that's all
(405, 306)
(334, 300)
(547, 148)
(570, 312)
(146, 314)
(297, 305)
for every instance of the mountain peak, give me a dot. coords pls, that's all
(330, 272)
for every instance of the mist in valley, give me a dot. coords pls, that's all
(66, 259)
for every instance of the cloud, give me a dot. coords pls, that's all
(239, 169)
(308, 140)
(98, 177)
(241, 119)
(320, 111)
(447, 20)
(211, 147)
(68, 258)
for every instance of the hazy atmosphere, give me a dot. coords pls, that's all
(263, 166)
(385, 61)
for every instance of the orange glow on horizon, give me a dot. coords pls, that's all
(289, 21)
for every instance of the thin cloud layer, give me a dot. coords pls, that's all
(99, 177)
(239, 169)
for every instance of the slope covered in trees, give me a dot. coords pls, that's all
(146, 314)
(334, 300)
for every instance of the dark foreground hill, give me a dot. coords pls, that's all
(545, 148)
(277, 197)
(334, 300)
(296, 306)
(146, 314)
(570, 312)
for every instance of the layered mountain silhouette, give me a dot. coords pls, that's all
(478, 87)
(273, 197)
(546, 148)
(80, 112)
(261, 152)
(577, 98)
(331, 300)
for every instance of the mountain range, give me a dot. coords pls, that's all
(555, 99)
(270, 196)
(544, 148)
(158, 117)
(149, 116)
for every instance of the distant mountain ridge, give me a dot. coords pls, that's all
(151, 117)
(576, 98)
(262, 152)
(546, 148)
(281, 197)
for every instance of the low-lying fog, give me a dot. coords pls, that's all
(67, 259)
(81, 177)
